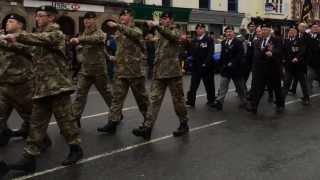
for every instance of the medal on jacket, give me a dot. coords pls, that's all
(203, 45)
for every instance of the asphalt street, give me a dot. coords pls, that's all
(227, 145)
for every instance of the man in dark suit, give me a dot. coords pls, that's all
(267, 69)
(231, 58)
(313, 55)
(302, 27)
(202, 66)
(249, 55)
(295, 63)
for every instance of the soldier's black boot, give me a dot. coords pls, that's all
(27, 164)
(4, 169)
(75, 155)
(20, 133)
(46, 144)
(5, 136)
(218, 105)
(143, 131)
(182, 130)
(110, 128)
(78, 120)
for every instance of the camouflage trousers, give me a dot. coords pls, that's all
(43, 108)
(158, 89)
(84, 84)
(120, 90)
(18, 97)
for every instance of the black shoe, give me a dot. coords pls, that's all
(251, 109)
(27, 164)
(143, 131)
(218, 105)
(109, 128)
(243, 105)
(279, 109)
(182, 130)
(5, 136)
(20, 133)
(293, 92)
(75, 155)
(190, 104)
(46, 144)
(305, 102)
(4, 169)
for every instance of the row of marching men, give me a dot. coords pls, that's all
(35, 80)
(275, 63)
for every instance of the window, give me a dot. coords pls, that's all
(204, 4)
(233, 5)
(274, 6)
(166, 3)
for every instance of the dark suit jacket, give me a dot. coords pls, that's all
(231, 58)
(264, 63)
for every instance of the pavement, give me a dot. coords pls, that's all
(227, 145)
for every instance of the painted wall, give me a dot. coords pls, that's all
(219, 5)
(186, 3)
(154, 2)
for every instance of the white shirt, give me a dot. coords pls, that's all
(265, 42)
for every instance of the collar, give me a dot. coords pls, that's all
(201, 37)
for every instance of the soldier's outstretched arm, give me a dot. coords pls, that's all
(41, 39)
(171, 35)
(17, 47)
(133, 33)
(97, 38)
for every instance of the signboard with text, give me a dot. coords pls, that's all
(60, 5)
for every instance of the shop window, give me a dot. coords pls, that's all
(204, 4)
(233, 5)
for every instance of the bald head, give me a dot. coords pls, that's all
(302, 27)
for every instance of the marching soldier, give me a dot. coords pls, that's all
(16, 81)
(92, 56)
(231, 58)
(266, 69)
(52, 91)
(202, 66)
(295, 64)
(129, 71)
(167, 74)
(249, 55)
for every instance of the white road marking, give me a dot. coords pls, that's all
(117, 151)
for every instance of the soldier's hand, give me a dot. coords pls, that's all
(295, 60)
(152, 23)
(74, 41)
(269, 53)
(112, 24)
(10, 38)
(112, 58)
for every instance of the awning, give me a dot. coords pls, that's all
(148, 12)
(216, 17)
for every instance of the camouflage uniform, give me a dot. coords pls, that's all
(129, 71)
(16, 83)
(53, 87)
(92, 56)
(167, 73)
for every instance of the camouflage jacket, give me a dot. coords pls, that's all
(167, 63)
(130, 52)
(52, 76)
(91, 52)
(15, 63)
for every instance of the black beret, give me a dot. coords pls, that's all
(200, 25)
(229, 28)
(167, 14)
(17, 17)
(126, 12)
(266, 25)
(49, 9)
(90, 15)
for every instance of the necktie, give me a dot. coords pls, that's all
(264, 43)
